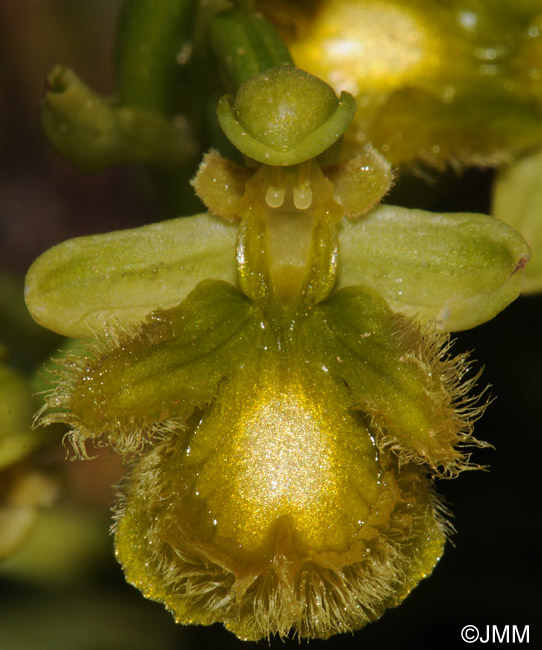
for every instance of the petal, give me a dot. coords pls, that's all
(458, 270)
(275, 512)
(79, 286)
(220, 184)
(134, 385)
(517, 200)
(360, 182)
(411, 391)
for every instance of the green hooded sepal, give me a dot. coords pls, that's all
(302, 118)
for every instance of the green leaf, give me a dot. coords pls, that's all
(517, 200)
(458, 270)
(78, 286)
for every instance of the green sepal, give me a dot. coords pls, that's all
(398, 376)
(458, 270)
(303, 117)
(318, 142)
(154, 378)
(517, 200)
(78, 286)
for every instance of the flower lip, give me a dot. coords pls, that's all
(303, 116)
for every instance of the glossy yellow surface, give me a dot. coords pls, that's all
(435, 82)
(278, 448)
(357, 46)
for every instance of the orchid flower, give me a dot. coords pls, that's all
(278, 371)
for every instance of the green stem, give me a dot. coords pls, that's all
(153, 35)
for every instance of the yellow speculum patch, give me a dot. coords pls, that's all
(284, 450)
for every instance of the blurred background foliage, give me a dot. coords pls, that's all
(62, 588)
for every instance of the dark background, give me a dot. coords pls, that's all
(489, 574)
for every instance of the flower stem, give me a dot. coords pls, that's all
(151, 38)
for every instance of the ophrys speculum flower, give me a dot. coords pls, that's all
(283, 432)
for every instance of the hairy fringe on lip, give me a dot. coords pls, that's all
(284, 589)
(449, 398)
(127, 437)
